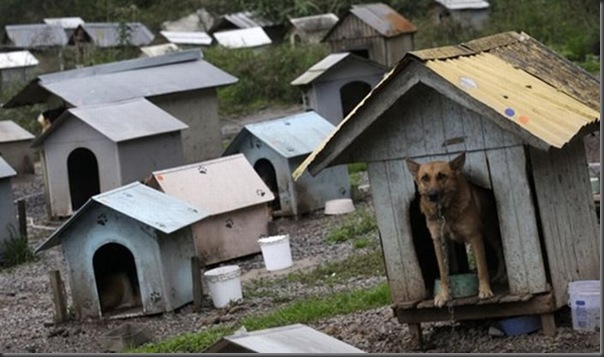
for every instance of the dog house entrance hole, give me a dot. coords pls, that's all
(83, 175)
(351, 94)
(116, 278)
(267, 173)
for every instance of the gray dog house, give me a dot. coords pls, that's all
(276, 147)
(15, 147)
(373, 31)
(93, 149)
(342, 78)
(8, 218)
(16, 67)
(522, 125)
(132, 231)
(181, 83)
(234, 196)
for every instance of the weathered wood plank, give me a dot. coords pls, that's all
(393, 191)
(452, 118)
(526, 272)
(59, 296)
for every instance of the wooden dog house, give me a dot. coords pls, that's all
(520, 111)
(234, 196)
(135, 230)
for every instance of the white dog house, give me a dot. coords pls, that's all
(276, 147)
(15, 147)
(132, 231)
(93, 149)
(234, 196)
(8, 218)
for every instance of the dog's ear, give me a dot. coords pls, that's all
(413, 167)
(458, 162)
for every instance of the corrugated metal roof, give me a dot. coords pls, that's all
(463, 4)
(331, 61)
(112, 34)
(383, 19)
(290, 136)
(17, 59)
(64, 22)
(221, 185)
(6, 170)
(36, 35)
(159, 50)
(245, 19)
(188, 38)
(11, 131)
(137, 201)
(297, 338)
(121, 121)
(243, 38)
(314, 23)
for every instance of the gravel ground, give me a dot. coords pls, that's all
(26, 309)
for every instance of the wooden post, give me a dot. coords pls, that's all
(58, 296)
(197, 285)
(21, 208)
(415, 331)
(548, 324)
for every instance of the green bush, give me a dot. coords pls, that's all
(16, 250)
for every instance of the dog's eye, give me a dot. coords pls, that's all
(425, 178)
(440, 176)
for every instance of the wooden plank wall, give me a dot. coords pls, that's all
(569, 222)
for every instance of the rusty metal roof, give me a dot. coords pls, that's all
(11, 131)
(383, 19)
(36, 35)
(17, 59)
(113, 34)
(139, 202)
(290, 136)
(6, 170)
(546, 97)
(221, 185)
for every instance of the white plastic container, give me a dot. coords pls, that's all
(276, 252)
(339, 206)
(584, 301)
(224, 284)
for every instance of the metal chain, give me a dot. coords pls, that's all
(445, 251)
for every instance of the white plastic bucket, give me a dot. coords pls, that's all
(584, 302)
(224, 284)
(276, 252)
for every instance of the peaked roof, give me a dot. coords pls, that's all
(314, 23)
(509, 75)
(242, 20)
(120, 121)
(36, 35)
(5, 169)
(188, 37)
(243, 38)
(17, 59)
(136, 78)
(464, 4)
(330, 62)
(290, 136)
(221, 185)
(137, 201)
(379, 16)
(64, 22)
(113, 34)
(11, 131)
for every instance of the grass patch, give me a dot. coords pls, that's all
(302, 311)
(16, 250)
(352, 226)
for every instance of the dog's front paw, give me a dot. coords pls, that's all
(441, 299)
(484, 292)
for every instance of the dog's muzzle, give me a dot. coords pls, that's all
(433, 195)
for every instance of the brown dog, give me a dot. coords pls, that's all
(457, 209)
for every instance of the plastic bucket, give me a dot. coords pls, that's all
(584, 303)
(224, 284)
(276, 252)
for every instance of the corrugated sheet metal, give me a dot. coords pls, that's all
(36, 35)
(297, 338)
(383, 19)
(463, 4)
(137, 201)
(112, 34)
(188, 38)
(314, 23)
(17, 59)
(64, 22)
(159, 50)
(316, 70)
(6, 170)
(220, 185)
(246, 19)
(11, 131)
(244, 38)
(294, 135)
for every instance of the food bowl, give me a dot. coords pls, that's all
(520, 325)
(339, 206)
(460, 285)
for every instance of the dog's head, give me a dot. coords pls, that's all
(437, 179)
